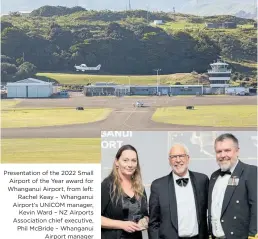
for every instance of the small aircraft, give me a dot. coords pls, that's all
(84, 67)
(242, 93)
(138, 104)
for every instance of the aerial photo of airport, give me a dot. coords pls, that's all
(68, 73)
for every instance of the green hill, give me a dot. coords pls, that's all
(54, 39)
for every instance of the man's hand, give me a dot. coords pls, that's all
(253, 237)
(143, 223)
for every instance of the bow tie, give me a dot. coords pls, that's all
(222, 173)
(182, 181)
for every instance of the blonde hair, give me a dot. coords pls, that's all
(117, 192)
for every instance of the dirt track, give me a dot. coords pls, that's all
(123, 117)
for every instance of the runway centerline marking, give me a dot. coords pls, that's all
(127, 111)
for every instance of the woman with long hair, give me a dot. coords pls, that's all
(124, 212)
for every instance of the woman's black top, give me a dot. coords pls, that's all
(125, 209)
(132, 212)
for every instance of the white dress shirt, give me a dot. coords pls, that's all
(186, 208)
(218, 194)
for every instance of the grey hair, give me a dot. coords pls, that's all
(181, 145)
(222, 137)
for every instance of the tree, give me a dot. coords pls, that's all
(234, 77)
(5, 25)
(60, 37)
(7, 71)
(26, 70)
(49, 11)
(115, 31)
(15, 14)
(19, 60)
(7, 59)
(14, 42)
(243, 83)
(8, 68)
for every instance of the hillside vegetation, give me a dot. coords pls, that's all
(54, 39)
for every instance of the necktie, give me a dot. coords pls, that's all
(222, 173)
(182, 181)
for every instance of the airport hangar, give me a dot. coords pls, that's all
(30, 88)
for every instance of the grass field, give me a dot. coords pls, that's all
(181, 25)
(249, 64)
(218, 115)
(6, 104)
(60, 150)
(80, 79)
(50, 117)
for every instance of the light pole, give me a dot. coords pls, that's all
(129, 80)
(157, 70)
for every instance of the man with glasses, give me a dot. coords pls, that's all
(232, 193)
(179, 201)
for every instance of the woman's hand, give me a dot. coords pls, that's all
(130, 226)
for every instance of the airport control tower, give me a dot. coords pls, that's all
(219, 75)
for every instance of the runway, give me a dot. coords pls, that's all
(123, 116)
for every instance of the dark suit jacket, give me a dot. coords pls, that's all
(163, 207)
(114, 211)
(239, 208)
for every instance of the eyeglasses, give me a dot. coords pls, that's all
(181, 156)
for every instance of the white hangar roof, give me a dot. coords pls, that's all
(29, 81)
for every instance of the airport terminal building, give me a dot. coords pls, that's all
(120, 90)
(106, 89)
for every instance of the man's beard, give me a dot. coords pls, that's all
(225, 166)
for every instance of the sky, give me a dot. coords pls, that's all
(199, 7)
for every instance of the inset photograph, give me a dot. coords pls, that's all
(144, 175)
